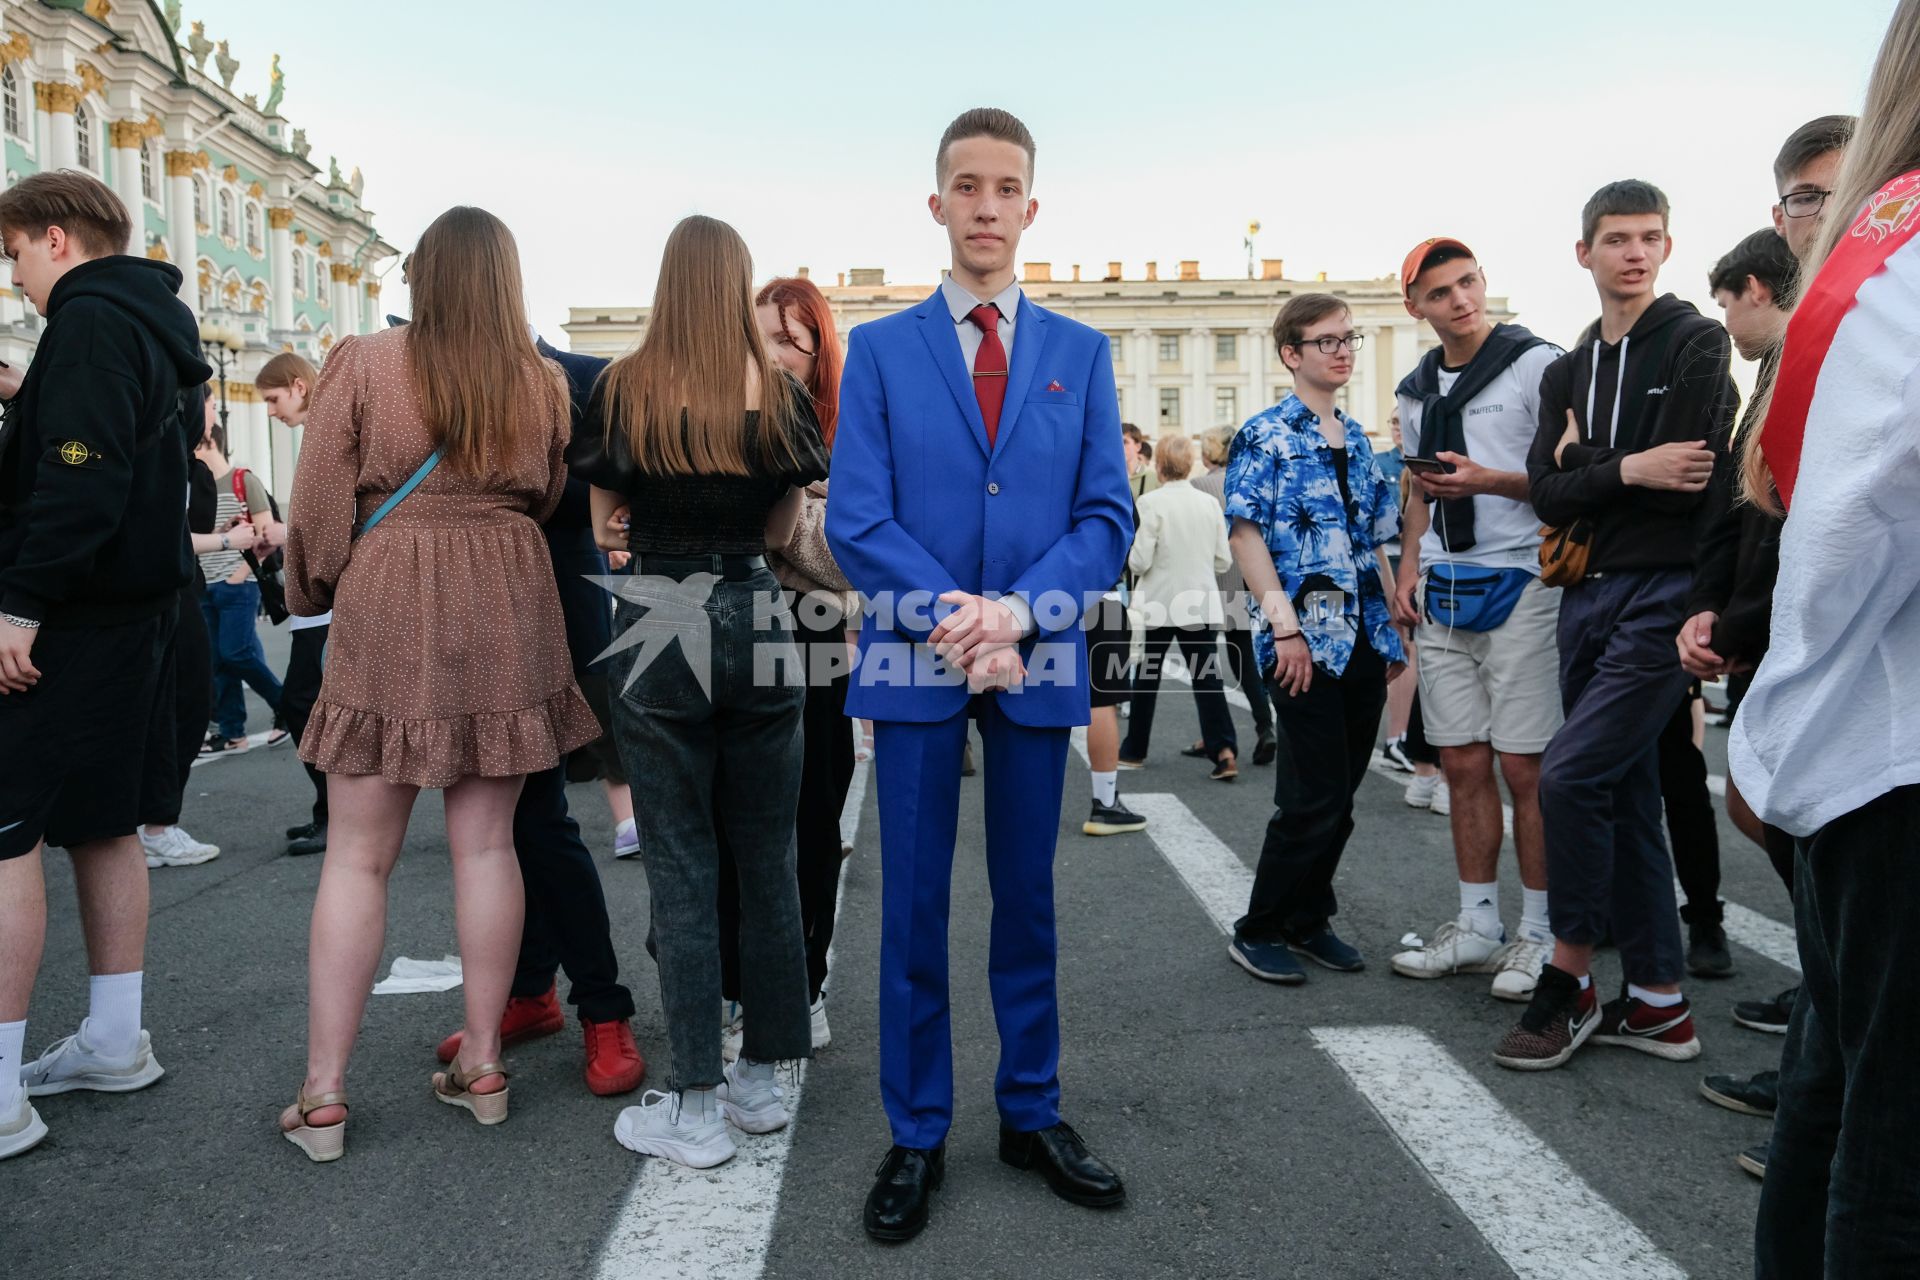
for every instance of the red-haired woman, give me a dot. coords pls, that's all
(798, 327)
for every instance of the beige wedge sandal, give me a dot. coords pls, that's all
(322, 1143)
(450, 1086)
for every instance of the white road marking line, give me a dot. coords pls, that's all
(691, 1224)
(1489, 1163)
(254, 740)
(1212, 872)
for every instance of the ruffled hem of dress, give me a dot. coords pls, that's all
(439, 752)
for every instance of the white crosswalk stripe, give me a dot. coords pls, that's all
(691, 1224)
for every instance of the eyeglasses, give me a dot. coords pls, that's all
(1330, 345)
(1803, 204)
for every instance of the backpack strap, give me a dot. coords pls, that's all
(385, 509)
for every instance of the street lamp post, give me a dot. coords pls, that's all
(222, 342)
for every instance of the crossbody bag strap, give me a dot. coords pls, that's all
(385, 509)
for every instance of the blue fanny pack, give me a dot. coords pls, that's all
(1467, 598)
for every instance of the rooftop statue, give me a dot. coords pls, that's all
(229, 66)
(199, 46)
(278, 89)
(301, 147)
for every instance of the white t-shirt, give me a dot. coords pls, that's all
(1500, 423)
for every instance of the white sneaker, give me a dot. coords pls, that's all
(733, 1032)
(71, 1064)
(22, 1130)
(175, 848)
(1454, 949)
(1442, 802)
(1519, 969)
(661, 1126)
(822, 1037)
(626, 840)
(1420, 790)
(754, 1106)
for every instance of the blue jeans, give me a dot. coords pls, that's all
(231, 609)
(1841, 1181)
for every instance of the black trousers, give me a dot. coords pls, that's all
(1246, 676)
(1691, 830)
(179, 723)
(298, 691)
(1198, 647)
(1326, 742)
(1841, 1178)
(566, 925)
(826, 771)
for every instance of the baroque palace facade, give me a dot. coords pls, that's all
(1189, 353)
(277, 254)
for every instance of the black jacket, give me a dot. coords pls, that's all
(1739, 557)
(585, 605)
(93, 474)
(1665, 381)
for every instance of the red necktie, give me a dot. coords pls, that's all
(989, 368)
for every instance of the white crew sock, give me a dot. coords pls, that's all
(13, 1049)
(1534, 926)
(1480, 908)
(1106, 786)
(696, 1105)
(1654, 999)
(1586, 980)
(113, 1014)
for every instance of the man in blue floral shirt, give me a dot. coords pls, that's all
(1309, 511)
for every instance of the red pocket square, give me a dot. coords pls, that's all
(1055, 386)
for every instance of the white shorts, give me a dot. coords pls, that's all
(1500, 686)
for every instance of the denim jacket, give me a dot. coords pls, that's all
(1281, 477)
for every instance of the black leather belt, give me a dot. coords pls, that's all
(732, 568)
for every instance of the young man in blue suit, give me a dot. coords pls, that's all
(979, 503)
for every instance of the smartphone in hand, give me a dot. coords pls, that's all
(1427, 466)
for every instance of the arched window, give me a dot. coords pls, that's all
(147, 188)
(226, 215)
(253, 227)
(83, 137)
(10, 101)
(199, 203)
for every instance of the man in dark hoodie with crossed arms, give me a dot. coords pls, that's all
(93, 553)
(1633, 422)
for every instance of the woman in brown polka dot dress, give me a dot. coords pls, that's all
(447, 662)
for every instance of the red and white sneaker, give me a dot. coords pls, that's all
(1634, 1024)
(1559, 1019)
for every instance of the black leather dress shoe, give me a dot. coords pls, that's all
(315, 841)
(902, 1191)
(1074, 1173)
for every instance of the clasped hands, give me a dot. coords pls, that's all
(980, 637)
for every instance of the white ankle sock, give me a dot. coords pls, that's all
(1106, 786)
(113, 1013)
(1534, 926)
(13, 1049)
(1654, 999)
(697, 1105)
(1480, 908)
(1586, 980)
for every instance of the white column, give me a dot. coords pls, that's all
(266, 448)
(182, 236)
(280, 264)
(1257, 340)
(345, 322)
(1146, 411)
(372, 321)
(1199, 415)
(126, 184)
(63, 142)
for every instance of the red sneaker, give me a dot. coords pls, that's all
(614, 1064)
(526, 1018)
(1664, 1033)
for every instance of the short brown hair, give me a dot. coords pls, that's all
(982, 122)
(1809, 142)
(281, 372)
(1303, 310)
(79, 204)
(1175, 459)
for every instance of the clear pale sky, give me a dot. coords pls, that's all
(1350, 132)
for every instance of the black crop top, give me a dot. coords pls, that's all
(697, 514)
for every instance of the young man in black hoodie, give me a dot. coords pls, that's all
(1633, 422)
(93, 553)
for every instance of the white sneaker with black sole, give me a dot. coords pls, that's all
(751, 1099)
(72, 1063)
(663, 1125)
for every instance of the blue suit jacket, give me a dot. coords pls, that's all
(920, 506)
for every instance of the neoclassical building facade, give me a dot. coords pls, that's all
(1189, 353)
(277, 254)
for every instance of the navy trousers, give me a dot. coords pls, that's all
(566, 925)
(917, 776)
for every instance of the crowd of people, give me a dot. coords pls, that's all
(689, 570)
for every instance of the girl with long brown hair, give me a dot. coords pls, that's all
(433, 451)
(707, 441)
(1827, 742)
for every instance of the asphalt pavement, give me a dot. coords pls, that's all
(1352, 1127)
